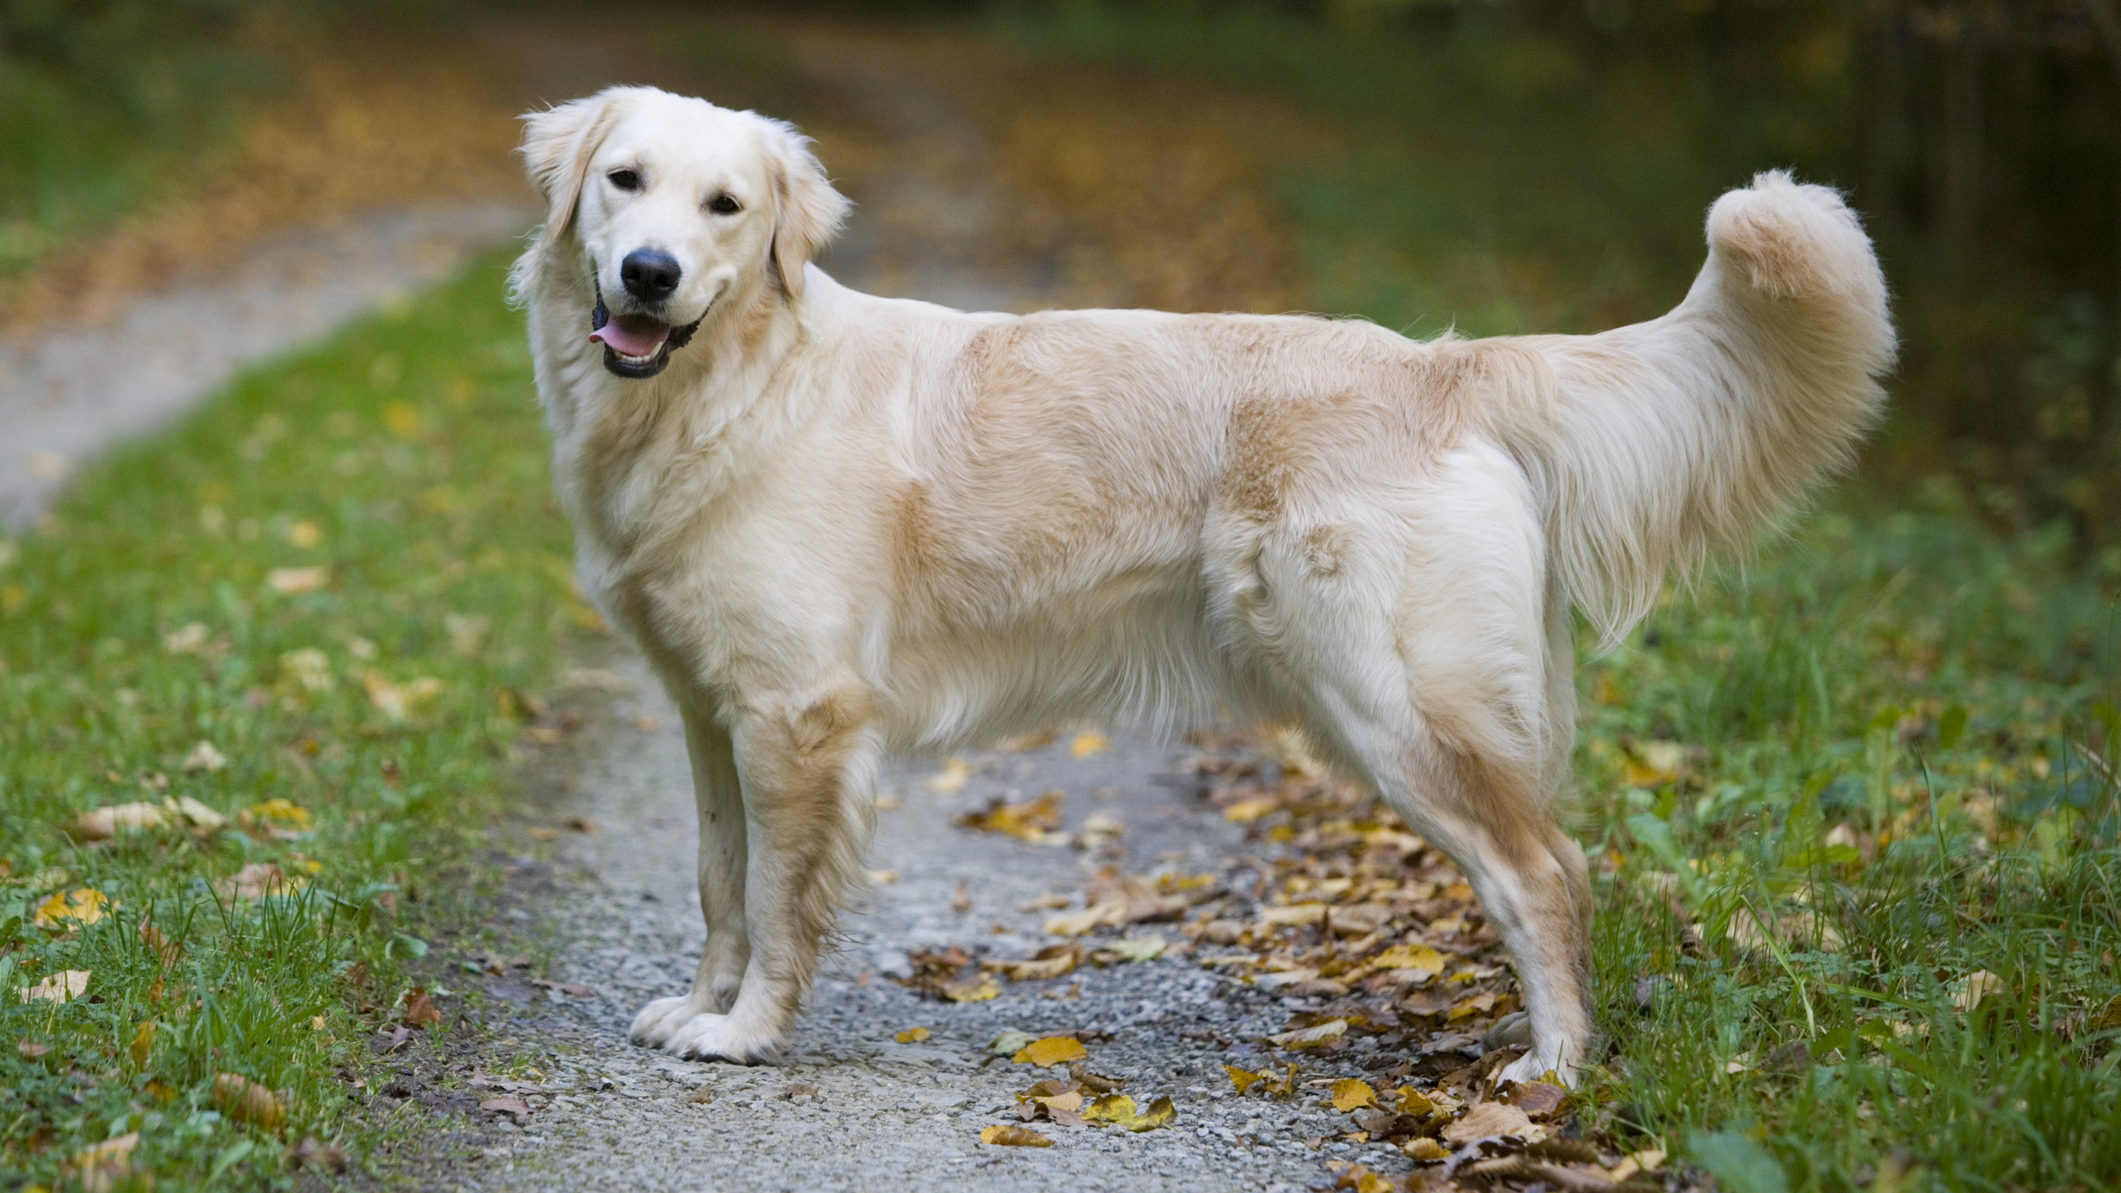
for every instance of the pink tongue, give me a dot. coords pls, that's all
(632, 335)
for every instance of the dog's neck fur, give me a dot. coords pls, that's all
(611, 434)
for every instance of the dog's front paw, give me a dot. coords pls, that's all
(723, 1038)
(661, 1019)
(1534, 1066)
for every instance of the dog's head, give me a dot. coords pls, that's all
(674, 210)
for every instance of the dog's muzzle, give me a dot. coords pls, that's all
(636, 346)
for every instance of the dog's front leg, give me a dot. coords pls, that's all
(808, 772)
(723, 852)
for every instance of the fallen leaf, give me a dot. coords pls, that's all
(101, 824)
(1418, 957)
(912, 1035)
(29, 1049)
(1538, 1099)
(143, 1044)
(1243, 1079)
(84, 905)
(978, 988)
(516, 1107)
(258, 880)
(1487, 1120)
(1052, 1050)
(398, 702)
(1323, 1035)
(102, 1166)
(1130, 948)
(1088, 745)
(312, 1154)
(1033, 820)
(1010, 1135)
(60, 987)
(702, 1096)
(292, 581)
(247, 1101)
(1053, 961)
(1010, 1043)
(197, 816)
(1967, 993)
(1426, 1150)
(204, 757)
(1350, 1093)
(1118, 1109)
(420, 1010)
(1248, 810)
(951, 779)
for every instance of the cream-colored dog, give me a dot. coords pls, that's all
(842, 525)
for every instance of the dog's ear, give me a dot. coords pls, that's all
(807, 211)
(557, 145)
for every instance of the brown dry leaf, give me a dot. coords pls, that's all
(1324, 1035)
(72, 909)
(399, 702)
(516, 1107)
(1538, 1099)
(312, 1154)
(912, 1035)
(59, 987)
(1487, 1120)
(1010, 1135)
(1053, 961)
(420, 1010)
(246, 1101)
(1033, 821)
(1351, 1093)
(29, 1049)
(1052, 1050)
(258, 880)
(1114, 900)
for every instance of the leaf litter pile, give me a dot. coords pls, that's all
(1400, 1006)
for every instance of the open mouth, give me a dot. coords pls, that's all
(636, 346)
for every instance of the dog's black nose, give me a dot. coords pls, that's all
(650, 274)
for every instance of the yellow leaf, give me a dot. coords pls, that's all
(143, 1044)
(951, 779)
(1350, 1093)
(912, 1035)
(1427, 1150)
(1087, 745)
(403, 419)
(1011, 1135)
(281, 813)
(1410, 956)
(1245, 811)
(1118, 1109)
(247, 1101)
(305, 534)
(1242, 1078)
(1968, 992)
(1413, 1102)
(82, 906)
(1053, 1050)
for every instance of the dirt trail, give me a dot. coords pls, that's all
(852, 1108)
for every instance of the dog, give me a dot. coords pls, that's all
(841, 526)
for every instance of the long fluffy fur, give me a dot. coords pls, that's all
(840, 525)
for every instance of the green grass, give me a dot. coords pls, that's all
(406, 459)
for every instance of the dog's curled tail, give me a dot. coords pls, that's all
(1654, 445)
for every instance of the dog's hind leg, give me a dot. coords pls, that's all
(1422, 660)
(723, 851)
(808, 770)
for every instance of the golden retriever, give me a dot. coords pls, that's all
(842, 525)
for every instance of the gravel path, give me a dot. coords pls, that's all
(69, 390)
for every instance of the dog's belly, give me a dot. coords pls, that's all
(1141, 653)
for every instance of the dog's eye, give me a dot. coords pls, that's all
(625, 180)
(724, 204)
